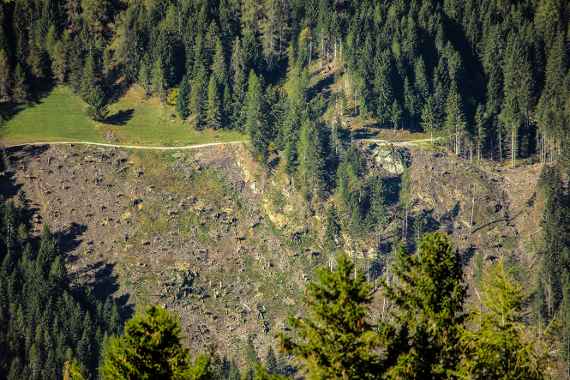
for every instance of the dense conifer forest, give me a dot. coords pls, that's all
(46, 319)
(492, 76)
(487, 80)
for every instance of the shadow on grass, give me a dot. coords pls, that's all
(120, 118)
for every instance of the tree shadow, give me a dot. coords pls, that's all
(70, 238)
(392, 188)
(363, 133)
(40, 90)
(321, 87)
(9, 110)
(8, 186)
(467, 255)
(103, 283)
(449, 217)
(118, 87)
(120, 118)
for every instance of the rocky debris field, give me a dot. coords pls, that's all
(183, 229)
(207, 234)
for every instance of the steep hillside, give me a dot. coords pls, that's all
(207, 234)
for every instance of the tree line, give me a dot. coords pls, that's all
(46, 318)
(491, 76)
(552, 288)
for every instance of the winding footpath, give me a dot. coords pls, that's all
(409, 143)
(135, 147)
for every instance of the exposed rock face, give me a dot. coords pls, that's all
(389, 158)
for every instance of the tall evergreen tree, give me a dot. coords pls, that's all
(311, 169)
(213, 108)
(255, 124)
(501, 346)
(198, 97)
(151, 349)
(4, 77)
(427, 291)
(183, 99)
(455, 123)
(20, 91)
(335, 340)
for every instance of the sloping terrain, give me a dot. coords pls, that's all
(207, 234)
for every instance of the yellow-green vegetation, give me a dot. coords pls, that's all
(133, 120)
(60, 116)
(145, 121)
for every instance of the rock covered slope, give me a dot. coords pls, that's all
(207, 234)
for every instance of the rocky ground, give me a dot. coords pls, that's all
(181, 229)
(206, 234)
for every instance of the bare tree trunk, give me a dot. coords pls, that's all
(514, 147)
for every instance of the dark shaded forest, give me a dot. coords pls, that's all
(47, 317)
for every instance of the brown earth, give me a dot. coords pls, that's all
(206, 234)
(181, 229)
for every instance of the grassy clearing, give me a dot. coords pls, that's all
(57, 117)
(144, 121)
(133, 120)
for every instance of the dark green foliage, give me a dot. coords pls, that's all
(335, 340)
(255, 119)
(427, 290)
(556, 227)
(4, 77)
(311, 168)
(198, 99)
(402, 60)
(46, 320)
(183, 99)
(500, 329)
(214, 106)
(151, 349)
(332, 230)
(552, 293)
(20, 91)
(92, 90)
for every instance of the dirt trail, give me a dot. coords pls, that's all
(138, 147)
(198, 146)
(409, 143)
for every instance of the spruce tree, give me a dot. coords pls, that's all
(428, 117)
(183, 99)
(255, 125)
(335, 340)
(213, 108)
(311, 169)
(501, 345)
(395, 114)
(421, 337)
(455, 124)
(4, 77)
(219, 70)
(151, 349)
(332, 230)
(198, 97)
(239, 86)
(158, 80)
(20, 91)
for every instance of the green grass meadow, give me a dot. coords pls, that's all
(61, 116)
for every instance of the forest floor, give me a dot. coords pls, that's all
(133, 120)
